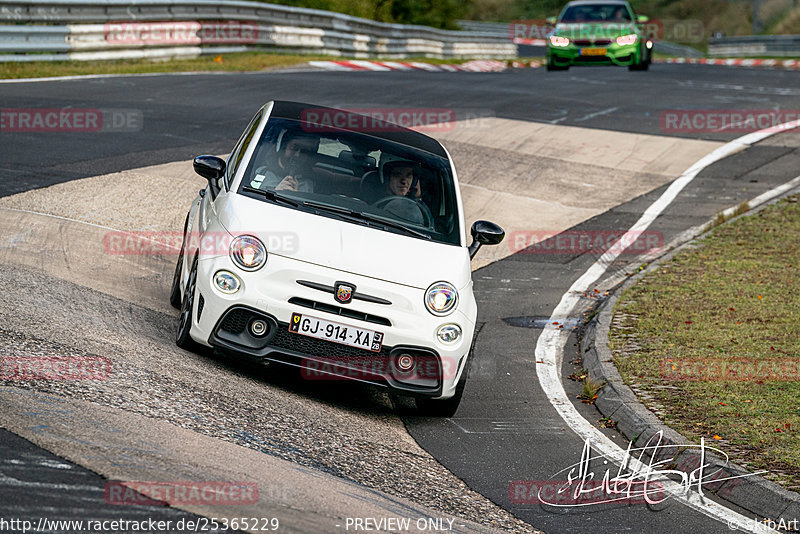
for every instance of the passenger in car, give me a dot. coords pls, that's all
(292, 169)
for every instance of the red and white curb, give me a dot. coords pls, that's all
(360, 65)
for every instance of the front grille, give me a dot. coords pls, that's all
(592, 59)
(589, 42)
(326, 350)
(338, 310)
(200, 303)
(236, 321)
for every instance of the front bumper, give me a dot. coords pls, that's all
(619, 55)
(273, 293)
(319, 359)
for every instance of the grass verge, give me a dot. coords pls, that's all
(244, 61)
(711, 340)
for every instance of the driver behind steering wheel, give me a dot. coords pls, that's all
(400, 179)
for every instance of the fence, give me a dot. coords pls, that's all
(110, 29)
(755, 45)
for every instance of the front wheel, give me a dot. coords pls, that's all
(183, 339)
(175, 290)
(551, 66)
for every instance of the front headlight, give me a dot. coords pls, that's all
(227, 282)
(556, 40)
(248, 253)
(441, 298)
(627, 39)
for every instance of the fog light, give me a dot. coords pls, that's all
(448, 333)
(405, 362)
(258, 327)
(227, 282)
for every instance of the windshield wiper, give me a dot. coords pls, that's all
(271, 195)
(359, 216)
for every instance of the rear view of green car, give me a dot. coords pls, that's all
(599, 32)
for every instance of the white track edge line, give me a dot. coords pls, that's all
(550, 345)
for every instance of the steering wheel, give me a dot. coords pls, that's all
(407, 203)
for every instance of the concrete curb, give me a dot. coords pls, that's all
(762, 63)
(616, 401)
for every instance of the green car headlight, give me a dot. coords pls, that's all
(627, 39)
(556, 40)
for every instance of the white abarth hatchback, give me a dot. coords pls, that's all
(334, 242)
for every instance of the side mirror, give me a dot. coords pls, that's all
(484, 233)
(551, 21)
(641, 19)
(211, 168)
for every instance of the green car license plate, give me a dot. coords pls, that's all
(593, 51)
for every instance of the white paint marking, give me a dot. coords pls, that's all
(550, 346)
(597, 114)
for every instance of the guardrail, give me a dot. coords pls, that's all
(109, 29)
(755, 45)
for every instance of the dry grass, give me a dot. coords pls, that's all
(716, 343)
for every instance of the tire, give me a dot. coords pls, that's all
(182, 337)
(175, 290)
(445, 407)
(551, 67)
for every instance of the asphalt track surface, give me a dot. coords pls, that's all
(505, 430)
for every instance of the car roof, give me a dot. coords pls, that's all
(285, 109)
(597, 2)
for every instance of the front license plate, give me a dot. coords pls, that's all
(336, 332)
(593, 51)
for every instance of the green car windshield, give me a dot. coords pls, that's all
(596, 13)
(354, 177)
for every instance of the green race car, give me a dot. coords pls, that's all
(598, 32)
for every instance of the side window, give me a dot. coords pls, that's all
(236, 156)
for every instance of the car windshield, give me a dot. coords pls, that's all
(354, 177)
(596, 13)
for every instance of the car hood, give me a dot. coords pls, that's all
(593, 30)
(345, 246)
